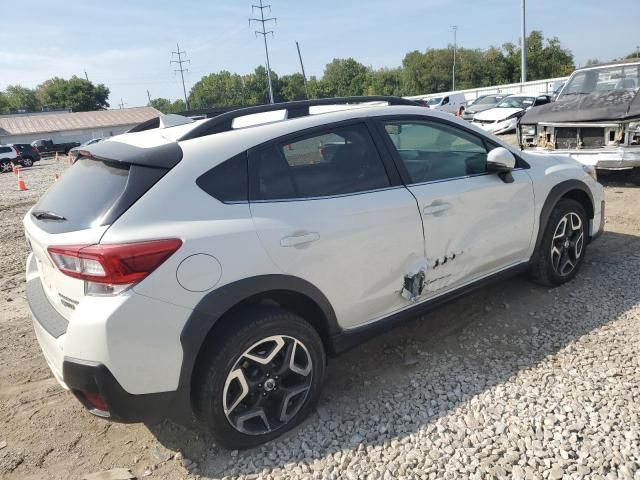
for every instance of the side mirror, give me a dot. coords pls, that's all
(501, 161)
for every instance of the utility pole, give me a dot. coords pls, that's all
(304, 76)
(149, 96)
(86, 76)
(638, 51)
(264, 34)
(180, 61)
(121, 104)
(523, 45)
(455, 47)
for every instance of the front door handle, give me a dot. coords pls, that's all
(295, 240)
(436, 208)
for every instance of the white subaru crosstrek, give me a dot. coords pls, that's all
(206, 269)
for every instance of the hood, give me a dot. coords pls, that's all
(495, 114)
(480, 108)
(596, 106)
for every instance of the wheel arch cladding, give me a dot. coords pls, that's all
(210, 315)
(572, 189)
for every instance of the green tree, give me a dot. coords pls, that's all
(4, 103)
(345, 77)
(167, 106)
(217, 89)
(385, 81)
(292, 87)
(21, 98)
(77, 94)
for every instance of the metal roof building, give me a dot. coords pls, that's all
(71, 126)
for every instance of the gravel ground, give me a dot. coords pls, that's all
(513, 381)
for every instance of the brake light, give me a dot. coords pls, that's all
(113, 264)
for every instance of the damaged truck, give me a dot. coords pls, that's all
(595, 119)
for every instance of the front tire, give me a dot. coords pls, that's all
(563, 246)
(5, 166)
(27, 162)
(259, 378)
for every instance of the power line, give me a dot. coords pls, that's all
(180, 61)
(455, 47)
(121, 104)
(264, 34)
(304, 76)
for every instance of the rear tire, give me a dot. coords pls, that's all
(5, 166)
(563, 246)
(27, 162)
(258, 378)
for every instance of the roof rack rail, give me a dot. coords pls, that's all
(224, 122)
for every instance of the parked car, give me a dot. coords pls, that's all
(48, 147)
(480, 104)
(9, 156)
(28, 154)
(451, 103)
(595, 119)
(503, 118)
(207, 271)
(75, 151)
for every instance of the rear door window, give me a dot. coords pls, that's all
(227, 182)
(83, 195)
(339, 161)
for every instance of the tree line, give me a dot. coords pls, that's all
(420, 73)
(75, 94)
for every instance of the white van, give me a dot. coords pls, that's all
(450, 102)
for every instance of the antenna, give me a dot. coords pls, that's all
(180, 61)
(304, 76)
(263, 21)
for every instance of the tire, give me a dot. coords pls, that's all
(5, 166)
(27, 162)
(563, 248)
(256, 347)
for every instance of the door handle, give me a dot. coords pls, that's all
(295, 240)
(436, 208)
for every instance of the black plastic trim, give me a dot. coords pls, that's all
(348, 339)
(82, 376)
(601, 226)
(43, 312)
(166, 156)
(224, 122)
(556, 193)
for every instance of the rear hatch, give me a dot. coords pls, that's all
(103, 183)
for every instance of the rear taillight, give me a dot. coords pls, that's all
(117, 266)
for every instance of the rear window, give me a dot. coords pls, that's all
(83, 195)
(228, 181)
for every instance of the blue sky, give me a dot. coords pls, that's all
(126, 44)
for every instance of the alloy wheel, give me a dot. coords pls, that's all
(5, 167)
(268, 385)
(27, 162)
(567, 244)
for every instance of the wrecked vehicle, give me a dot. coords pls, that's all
(503, 118)
(595, 119)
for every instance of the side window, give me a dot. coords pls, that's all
(433, 151)
(339, 161)
(227, 182)
(445, 101)
(5, 150)
(541, 100)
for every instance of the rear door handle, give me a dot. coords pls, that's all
(436, 208)
(295, 240)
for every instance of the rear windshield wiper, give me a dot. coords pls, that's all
(43, 215)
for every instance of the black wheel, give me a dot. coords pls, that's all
(27, 162)
(563, 245)
(260, 378)
(5, 166)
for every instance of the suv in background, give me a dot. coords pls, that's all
(28, 154)
(208, 268)
(9, 156)
(454, 103)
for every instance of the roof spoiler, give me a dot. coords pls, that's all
(161, 156)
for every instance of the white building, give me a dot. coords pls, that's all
(63, 127)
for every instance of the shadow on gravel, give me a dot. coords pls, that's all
(402, 381)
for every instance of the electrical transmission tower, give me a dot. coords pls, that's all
(180, 61)
(263, 21)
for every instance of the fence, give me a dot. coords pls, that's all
(548, 85)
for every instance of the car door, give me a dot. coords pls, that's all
(474, 222)
(329, 209)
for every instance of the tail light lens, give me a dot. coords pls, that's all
(109, 269)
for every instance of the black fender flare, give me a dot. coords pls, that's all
(216, 303)
(555, 194)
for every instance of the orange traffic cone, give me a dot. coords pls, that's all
(21, 185)
(14, 169)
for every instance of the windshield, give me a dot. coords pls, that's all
(516, 102)
(621, 77)
(434, 101)
(489, 100)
